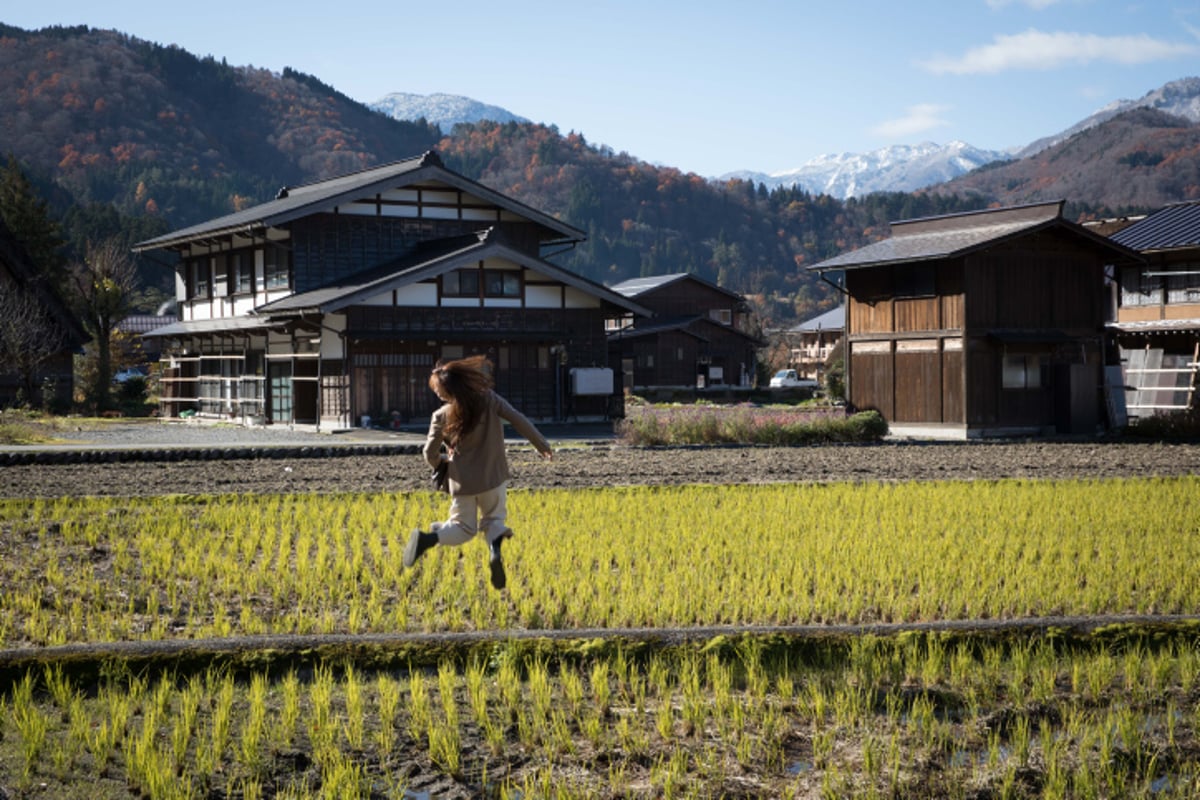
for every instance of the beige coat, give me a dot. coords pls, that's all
(479, 462)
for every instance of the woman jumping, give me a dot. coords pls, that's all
(471, 425)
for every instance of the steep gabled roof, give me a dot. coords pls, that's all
(1171, 227)
(296, 202)
(429, 260)
(635, 287)
(955, 235)
(832, 320)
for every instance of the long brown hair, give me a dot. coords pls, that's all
(464, 383)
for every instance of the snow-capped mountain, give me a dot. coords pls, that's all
(443, 110)
(1179, 98)
(899, 168)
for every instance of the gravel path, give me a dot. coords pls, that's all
(229, 459)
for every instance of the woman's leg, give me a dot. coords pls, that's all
(493, 513)
(460, 527)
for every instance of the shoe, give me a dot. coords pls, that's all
(418, 543)
(496, 563)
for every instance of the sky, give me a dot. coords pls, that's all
(702, 86)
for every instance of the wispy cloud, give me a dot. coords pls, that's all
(1035, 49)
(1036, 5)
(917, 119)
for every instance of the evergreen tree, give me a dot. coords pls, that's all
(28, 217)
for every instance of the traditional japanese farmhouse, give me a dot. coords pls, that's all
(696, 338)
(329, 305)
(39, 334)
(812, 341)
(987, 323)
(1157, 329)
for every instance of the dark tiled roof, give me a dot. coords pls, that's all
(1174, 226)
(300, 201)
(959, 234)
(657, 326)
(431, 259)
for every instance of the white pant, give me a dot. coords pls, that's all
(489, 507)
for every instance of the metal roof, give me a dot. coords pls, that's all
(833, 319)
(300, 201)
(959, 234)
(638, 286)
(1174, 226)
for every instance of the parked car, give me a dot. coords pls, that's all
(789, 379)
(126, 374)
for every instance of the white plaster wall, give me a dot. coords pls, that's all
(578, 299)
(543, 296)
(331, 341)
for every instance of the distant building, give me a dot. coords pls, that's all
(697, 338)
(330, 304)
(811, 342)
(987, 323)
(1157, 326)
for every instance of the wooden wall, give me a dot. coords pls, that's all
(938, 357)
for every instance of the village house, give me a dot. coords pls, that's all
(1157, 325)
(987, 323)
(697, 338)
(811, 342)
(329, 305)
(39, 335)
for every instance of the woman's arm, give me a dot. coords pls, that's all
(523, 426)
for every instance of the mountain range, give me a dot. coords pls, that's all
(897, 168)
(126, 137)
(443, 110)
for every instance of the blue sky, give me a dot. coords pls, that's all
(707, 87)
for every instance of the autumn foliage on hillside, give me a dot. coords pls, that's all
(1136, 162)
(158, 131)
(121, 132)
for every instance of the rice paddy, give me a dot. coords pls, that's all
(1115, 713)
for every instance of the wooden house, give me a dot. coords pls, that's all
(1157, 325)
(987, 323)
(811, 342)
(330, 304)
(696, 339)
(40, 333)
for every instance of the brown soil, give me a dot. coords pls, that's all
(576, 466)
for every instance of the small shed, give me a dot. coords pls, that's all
(986, 323)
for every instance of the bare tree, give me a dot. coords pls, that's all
(105, 284)
(29, 338)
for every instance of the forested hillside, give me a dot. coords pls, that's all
(1138, 161)
(121, 134)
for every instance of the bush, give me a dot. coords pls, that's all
(1178, 426)
(777, 426)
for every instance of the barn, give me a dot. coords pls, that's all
(986, 323)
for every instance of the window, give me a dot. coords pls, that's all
(461, 283)
(914, 280)
(721, 315)
(198, 278)
(241, 273)
(275, 268)
(501, 283)
(1022, 372)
